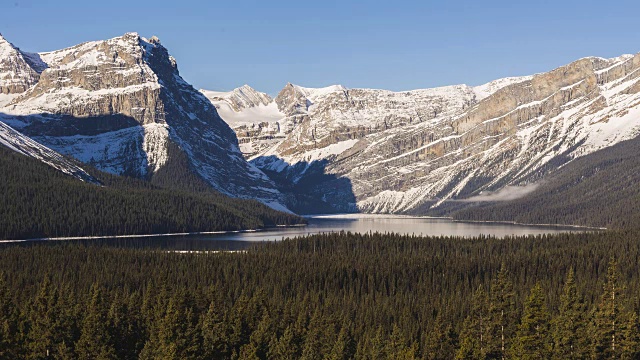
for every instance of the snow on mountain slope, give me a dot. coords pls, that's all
(314, 94)
(513, 137)
(26, 146)
(418, 149)
(121, 105)
(239, 99)
(253, 115)
(483, 91)
(244, 106)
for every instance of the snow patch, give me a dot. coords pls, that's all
(154, 144)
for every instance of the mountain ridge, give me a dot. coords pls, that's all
(493, 134)
(120, 105)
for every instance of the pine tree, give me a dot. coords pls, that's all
(313, 344)
(502, 316)
(473, 336)
(397, 346)
(343, 349)
(68, 321)
(249, 352)
(176, 335)
(440, 341)
(95, 339)
(124, 322)
(569, 326)
(42, 338)
(239, 331)
(532, 339)
(374, 348)
(260, 338)
(8, 323)
(214, 333)
(286, 347)
(630, 341)
(606, 326)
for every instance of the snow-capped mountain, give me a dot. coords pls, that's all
(121, 106)
(402, 151)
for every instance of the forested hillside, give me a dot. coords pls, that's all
(333, 296)
(600, 189)
(38, 201)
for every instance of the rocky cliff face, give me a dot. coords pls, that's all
(118, 104)
(422, 149)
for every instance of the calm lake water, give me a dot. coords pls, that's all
(392, 224)
(329, 223)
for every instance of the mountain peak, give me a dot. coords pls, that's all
(154, 40)
(17, 71)
(317, 92)
(294, 99)
(6, 47)
(132, 35)
(243, 97)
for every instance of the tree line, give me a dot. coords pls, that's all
(329, 296)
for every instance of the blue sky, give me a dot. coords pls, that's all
(396, 45)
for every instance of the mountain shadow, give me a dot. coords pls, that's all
(111, 144)
(308, 188)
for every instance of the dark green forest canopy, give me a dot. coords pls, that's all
(343, 295)
(39, 201)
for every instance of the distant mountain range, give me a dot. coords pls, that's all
(121, 106)
(417, 151)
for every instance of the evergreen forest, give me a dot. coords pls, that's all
(330, 296)
(41, 202)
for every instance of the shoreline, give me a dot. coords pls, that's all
(135, 236)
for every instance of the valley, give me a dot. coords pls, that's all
(121, 107)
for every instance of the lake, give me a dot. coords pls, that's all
(408, 225)
(361, 223)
